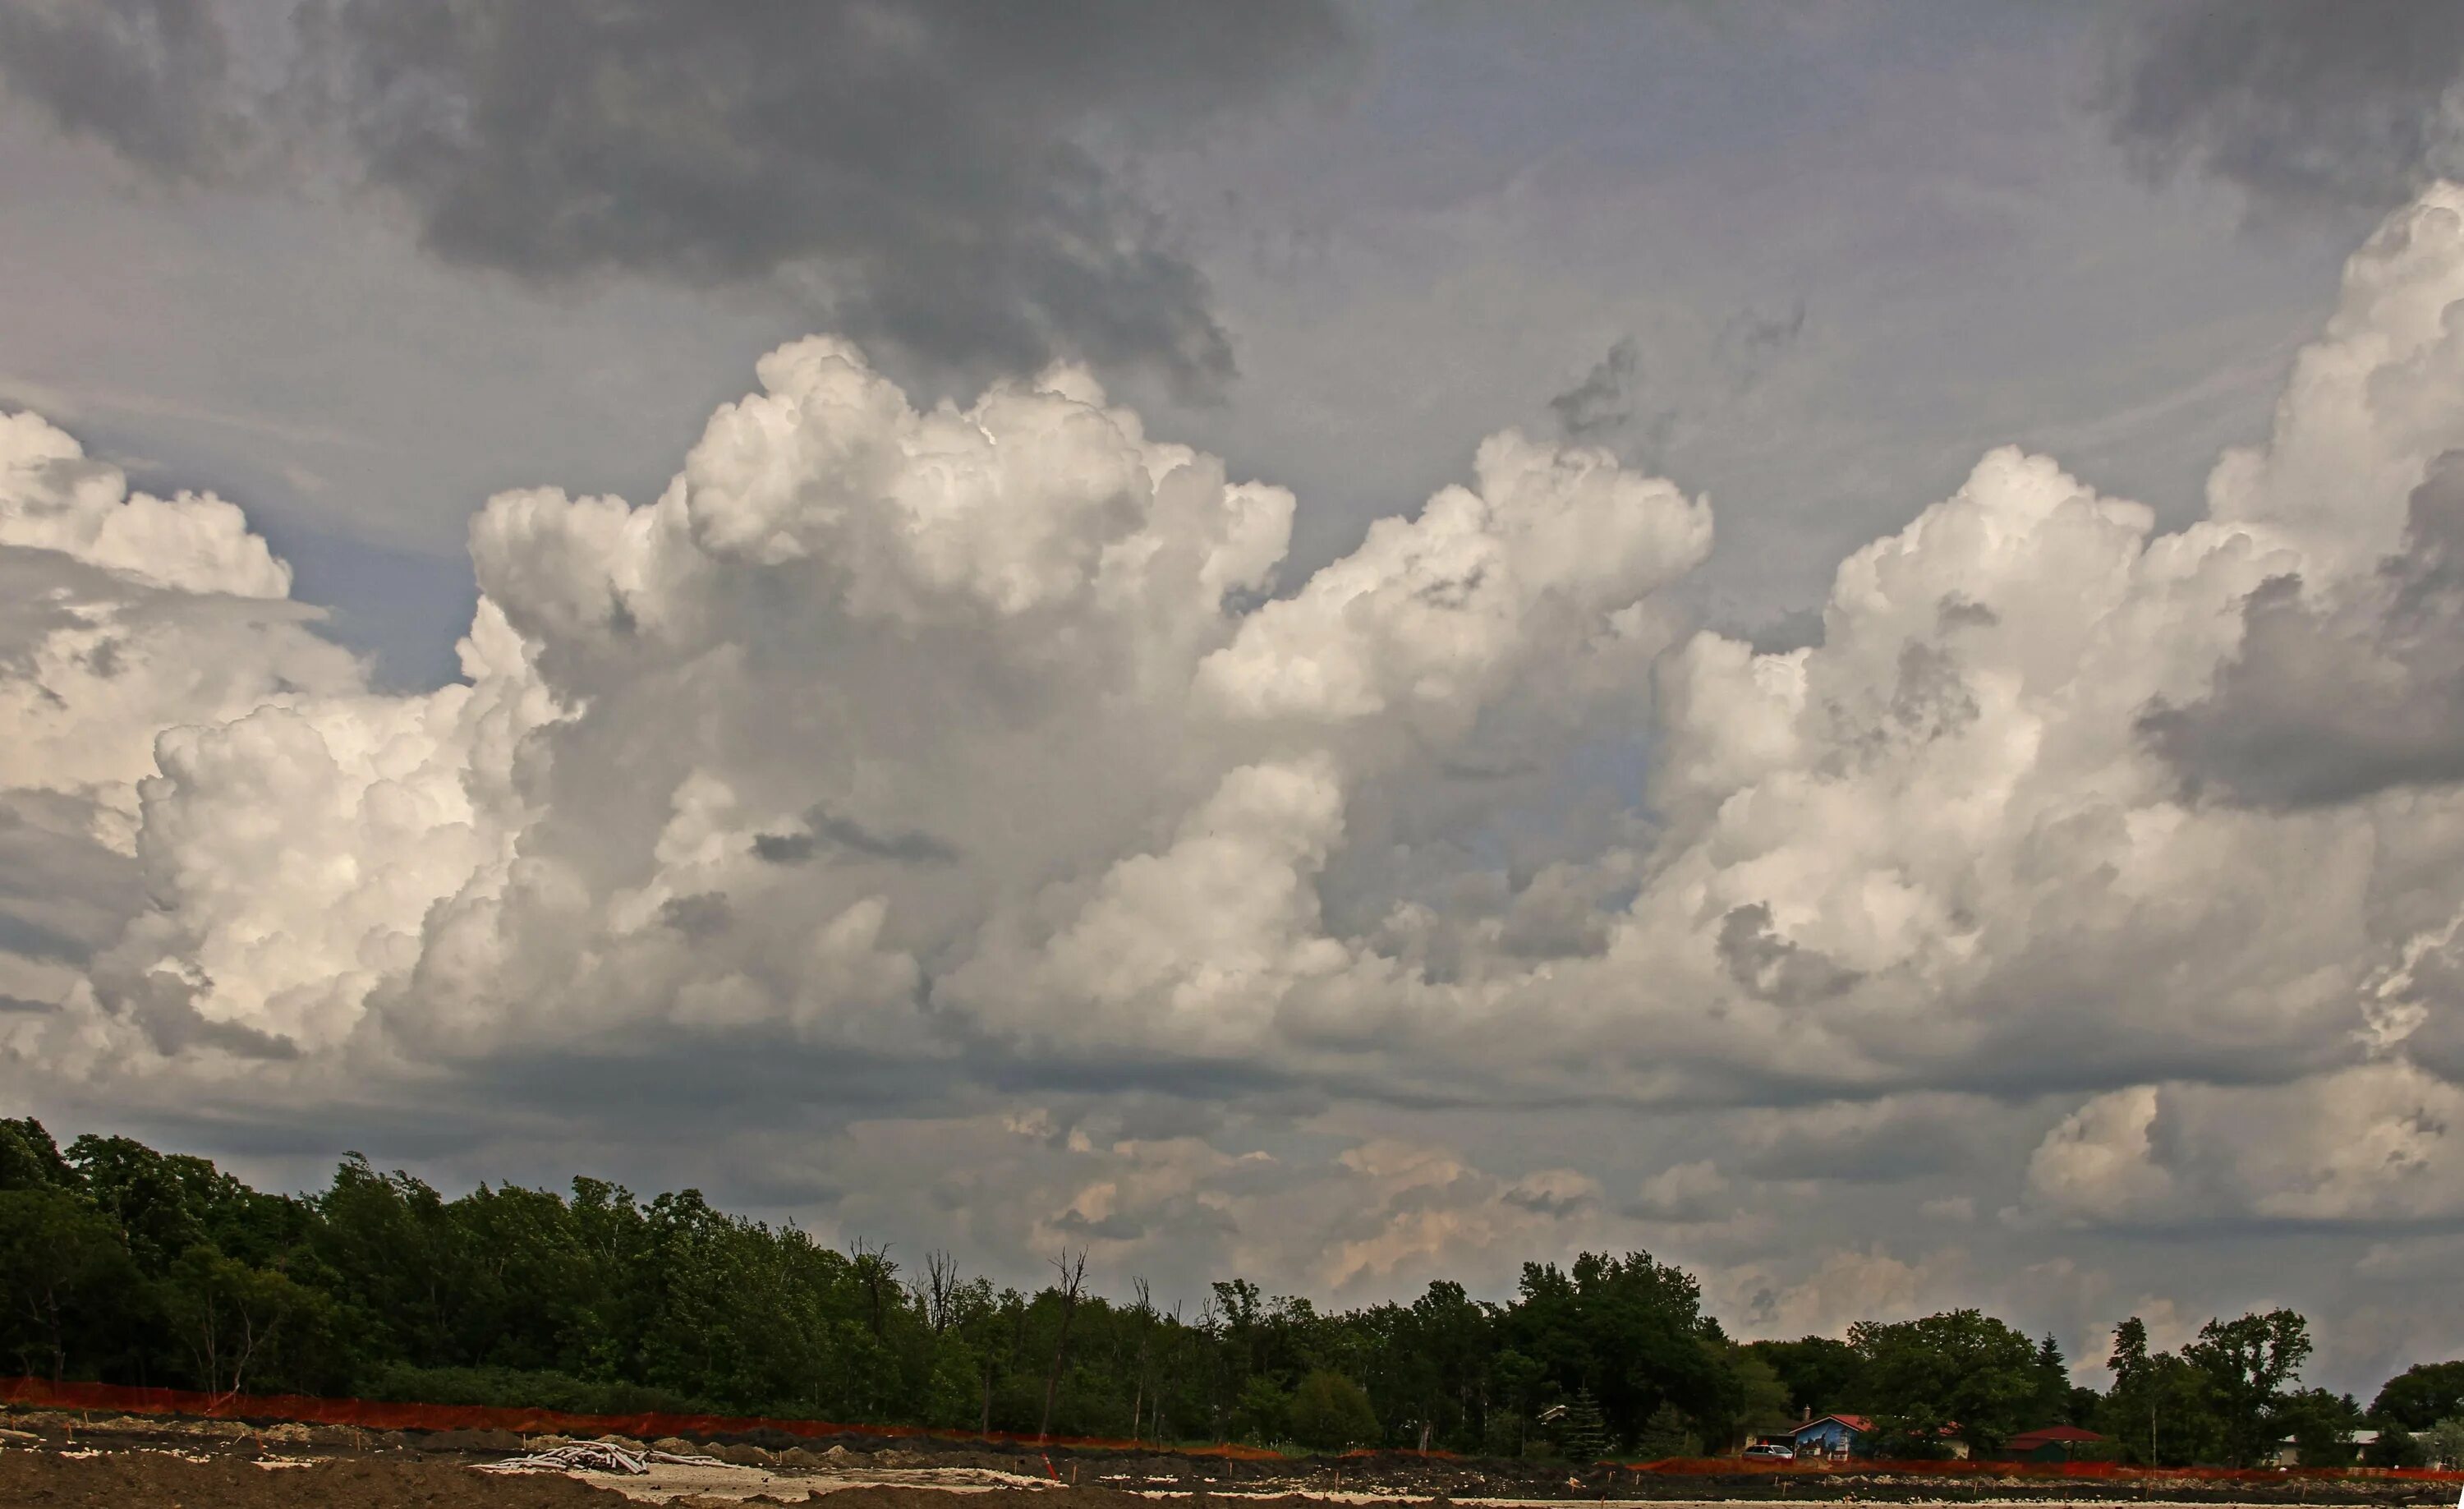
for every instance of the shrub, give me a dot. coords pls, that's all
(1329, 1411)
(507, 1388)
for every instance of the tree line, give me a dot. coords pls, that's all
(119, 1263)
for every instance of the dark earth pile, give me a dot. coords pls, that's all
(211, 1464)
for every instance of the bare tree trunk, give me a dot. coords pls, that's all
(940, 1289)
(873, 1269)
(247, 1350)
(1072, 1269)
(45, 1312)
(1145, 1311)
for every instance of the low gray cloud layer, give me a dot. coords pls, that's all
(2303, 103)
(150, 77)
(943, 178)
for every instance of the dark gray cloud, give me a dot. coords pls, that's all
(824, 829)
(940, 177)
(1752, 340)
(63, 895)
(1113, 1228)
(1955, 611)
(1774, 968)
(1869, 1145)
(2327, 701)
(701, 915)
(2302, 103)
(150, 79)
(1546, 1200)
(164, 1003)
(1604, 401)
(1646, 405)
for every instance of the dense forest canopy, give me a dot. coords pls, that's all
(128, 1265)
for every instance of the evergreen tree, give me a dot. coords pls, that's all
(1581, 1434)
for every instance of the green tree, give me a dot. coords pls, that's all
(1630, 1333)
(1264, 1415)
(2052, 1402)
(2246, 1363)
(1428, 1367)
(2321, 1425)
(2445, 1441)
(241, 1325)
(1957, 1374)
(1581, 1434)
(30, 1160)
(2159, 1407)
(1665, 1435)
(2421, 1395)
(1518, 1381)
(401, 1263)
(124, 1263)
(1764, 1398)
(64, 1273)
(1823, 1374)
(1330, 1413)
(2395, 1447)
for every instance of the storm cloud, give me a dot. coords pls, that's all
(150, 79)
(2302, 103)
(953, 181)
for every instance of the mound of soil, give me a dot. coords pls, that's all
(160, 1481)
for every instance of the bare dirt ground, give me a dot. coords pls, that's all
(54, 1459)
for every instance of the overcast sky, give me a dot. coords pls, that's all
(1336, 644)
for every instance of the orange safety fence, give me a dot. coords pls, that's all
(374, 1414)
(1704, 1466)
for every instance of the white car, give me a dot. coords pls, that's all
(1770, 1451)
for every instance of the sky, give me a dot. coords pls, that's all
(1335, 644)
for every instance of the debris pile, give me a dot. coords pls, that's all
(597, 1457)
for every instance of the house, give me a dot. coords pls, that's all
(2051, 1443)
(2288, 1455)
(1835, 1437)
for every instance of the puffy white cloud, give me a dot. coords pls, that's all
(294, 851)
(2098, 1163)
(52, 497)
(871, 696)
(1686, 1193)
(1937, 848)
(122, 614)
(2328, 701)
(125, 620)
(1427, 617)
(2375, 1142)
(1843, 1287)
(1197, 945)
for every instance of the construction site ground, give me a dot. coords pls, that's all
(57, 1458)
